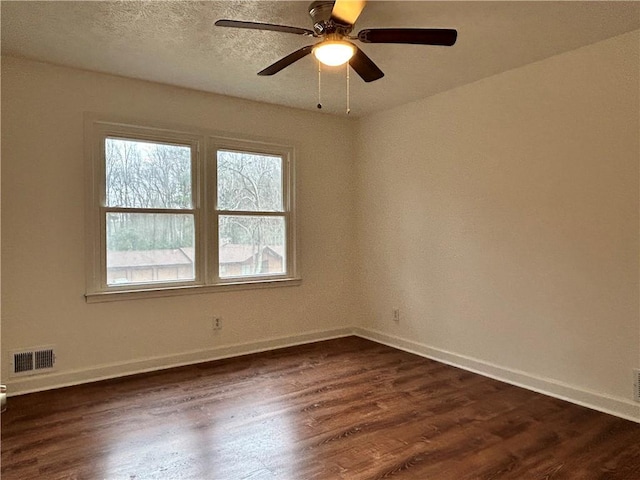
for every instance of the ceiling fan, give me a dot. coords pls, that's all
(333, 23)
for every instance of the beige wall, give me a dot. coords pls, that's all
(500, 217)
(43, 245)
(503, 220)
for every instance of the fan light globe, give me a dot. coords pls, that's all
(334, 52)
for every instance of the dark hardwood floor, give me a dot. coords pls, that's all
(341, 409)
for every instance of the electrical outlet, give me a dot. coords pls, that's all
(396, 315)
(636, 385)
(216, 323)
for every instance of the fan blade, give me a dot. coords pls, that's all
(265, 26)
(421, 36)
(286, 61)
(347, 11)
(365, 67)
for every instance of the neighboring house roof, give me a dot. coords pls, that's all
(236, 253)
(229, 253)
(148, 258)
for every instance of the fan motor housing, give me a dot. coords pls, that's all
(320, 10)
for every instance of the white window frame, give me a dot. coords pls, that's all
(204, 147)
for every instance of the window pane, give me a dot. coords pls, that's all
(149, 248)
(251, 245)
(147, 175)
(249, 182)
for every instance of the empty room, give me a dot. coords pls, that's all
(320, 240)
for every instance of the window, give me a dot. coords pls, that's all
(149, 215)
(251, 214)
(179, 212)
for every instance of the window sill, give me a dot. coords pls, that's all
(99, 297)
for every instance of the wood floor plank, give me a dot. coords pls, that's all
(341, 409)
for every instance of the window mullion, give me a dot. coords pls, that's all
(211, 191)
(199, 210)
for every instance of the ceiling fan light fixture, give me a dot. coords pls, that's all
(334, 52)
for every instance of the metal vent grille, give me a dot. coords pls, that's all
(31, 362)
(22, 362)
(636, 385)
(43, 359)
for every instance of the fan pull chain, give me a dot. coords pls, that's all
(348, 99)
(319, 84)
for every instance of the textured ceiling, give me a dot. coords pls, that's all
(175, 42)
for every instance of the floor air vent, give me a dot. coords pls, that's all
(32, 362)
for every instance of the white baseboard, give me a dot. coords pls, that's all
(619, 407)
(37, 383)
